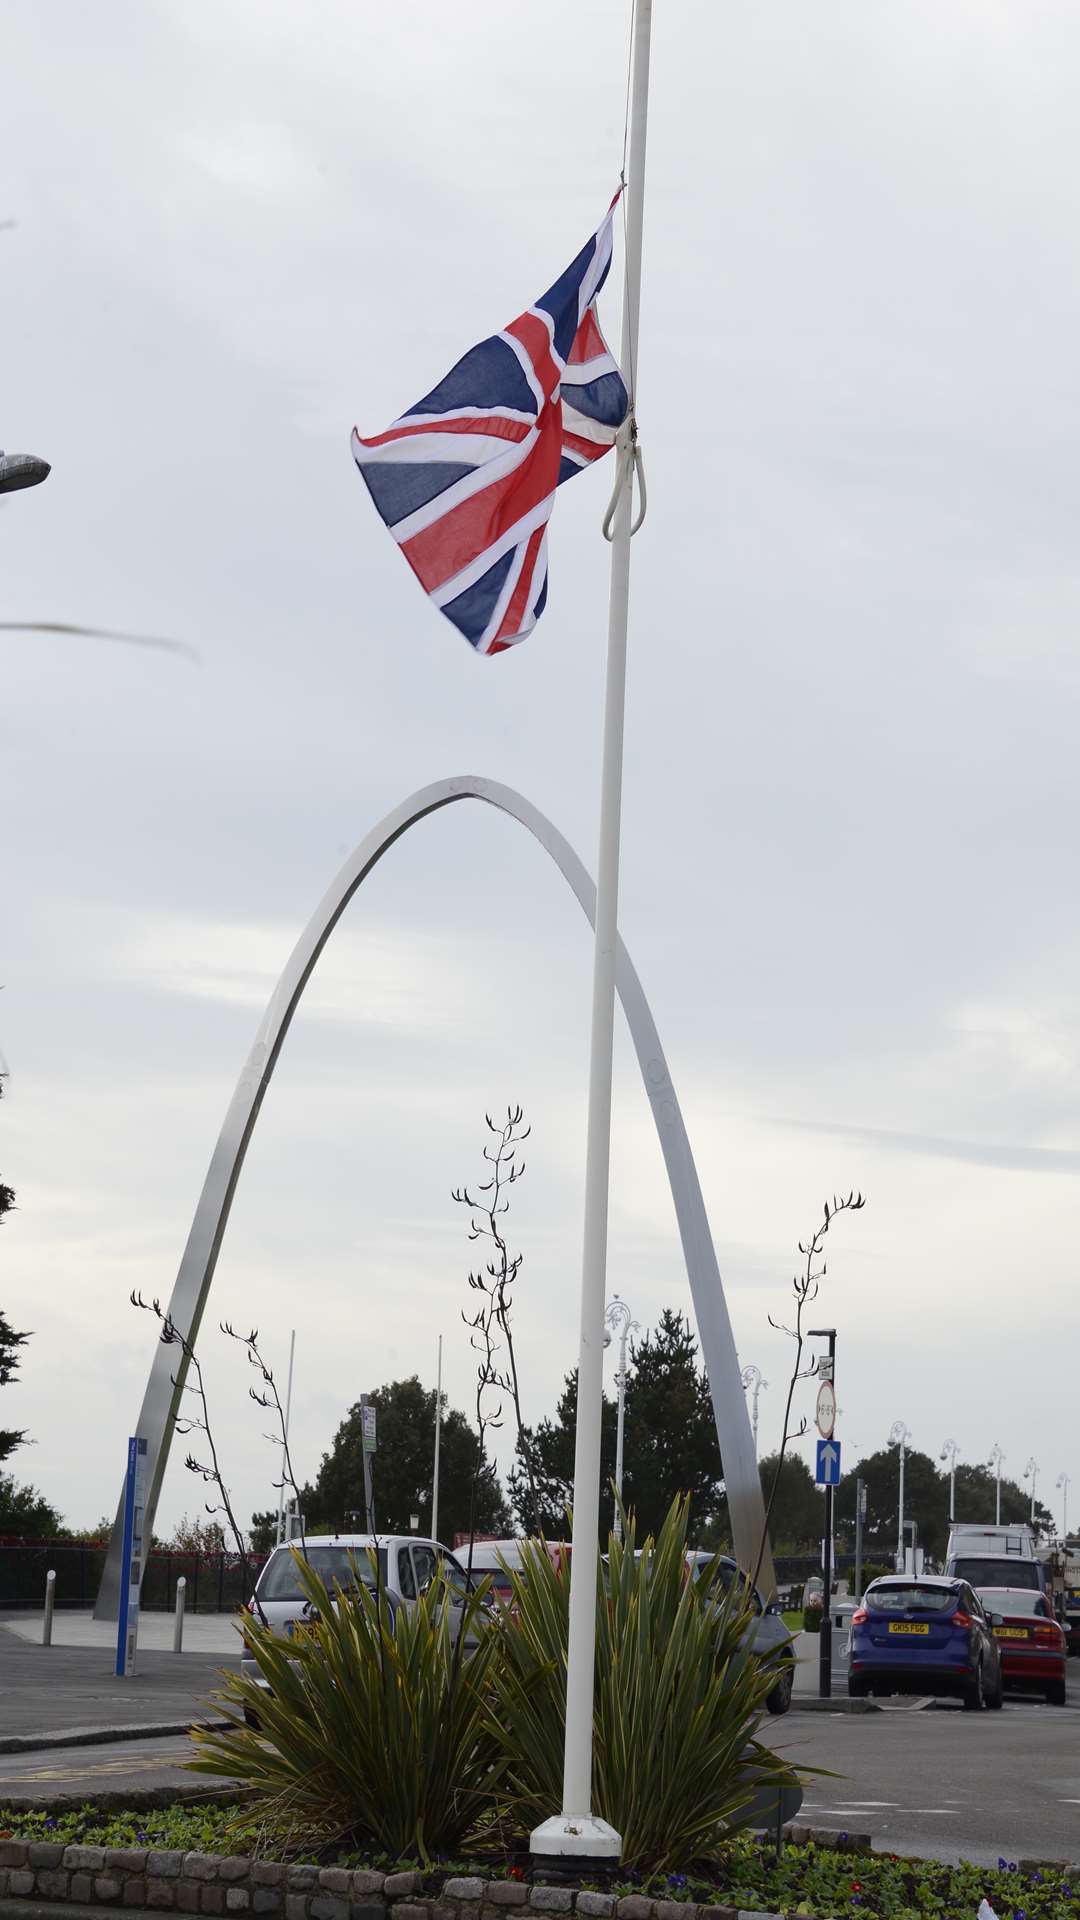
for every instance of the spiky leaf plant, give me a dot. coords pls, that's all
(376, 1731)
(678, 1699)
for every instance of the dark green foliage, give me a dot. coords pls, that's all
(262, 1533)
(670, 1445)
(403, 1469)
(926, 1501)
(25, 1513)
(798, 1514)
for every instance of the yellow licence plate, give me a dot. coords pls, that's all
(908, 1626)
(299, 1627)
(1010, 1633)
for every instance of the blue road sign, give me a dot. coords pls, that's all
(828, 1463)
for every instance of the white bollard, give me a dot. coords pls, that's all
(178, 1628)
(50, 1596)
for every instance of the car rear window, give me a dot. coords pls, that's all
(280, 1581)
(911, 1597)
(997, 1573)
(995, 1601)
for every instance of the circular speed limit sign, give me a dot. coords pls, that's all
(825, 1415)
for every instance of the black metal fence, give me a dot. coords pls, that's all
(216, 1582)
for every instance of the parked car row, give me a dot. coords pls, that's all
(937, 1635)
(403, 1567)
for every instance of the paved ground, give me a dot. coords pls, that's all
(45, 1690)
(204, 1633)
(123, 1766)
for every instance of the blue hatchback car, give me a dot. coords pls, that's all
(929, 1635)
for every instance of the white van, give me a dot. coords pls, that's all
(994, 1557)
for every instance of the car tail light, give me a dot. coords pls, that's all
(962, 1620)
(1049, 1634)
(860, 1617)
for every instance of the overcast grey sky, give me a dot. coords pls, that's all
(852, 780)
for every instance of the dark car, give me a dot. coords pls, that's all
(767, 1635)
(926, 1635)
(1032, 1644)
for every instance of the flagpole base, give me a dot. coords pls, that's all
(573, 1847)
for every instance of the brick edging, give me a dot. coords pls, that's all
(174, 1881)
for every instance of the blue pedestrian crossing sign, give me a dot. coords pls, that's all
(828, 1463)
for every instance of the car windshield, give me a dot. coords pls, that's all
(997, 1573)
(910, 1597)
(1014, 1600)
(719, 1572)
(280, 1580)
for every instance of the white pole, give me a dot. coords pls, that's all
(178, 1621)
(50, 1602)
(438, 1436)
(575, 1832)
(620, 1423)
(280, 1534)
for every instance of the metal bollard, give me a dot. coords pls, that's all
(50, 1596)
(178, 1627)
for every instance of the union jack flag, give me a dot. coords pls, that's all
(466, 479)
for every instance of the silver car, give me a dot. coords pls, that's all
(767, 1636)
(405, 1567)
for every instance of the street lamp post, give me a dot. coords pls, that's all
(995, 1460)
(620, 1320)
(1063, 1483)
(1031, 1472)
(949, 1452)
(753, 1381)
(825, 1643)
(899, 1435)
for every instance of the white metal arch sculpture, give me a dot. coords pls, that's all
(162, 1397)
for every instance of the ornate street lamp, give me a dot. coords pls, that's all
(753, 1380)
(899, 1435)
(619, 1319)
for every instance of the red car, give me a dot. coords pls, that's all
(1032, 1645)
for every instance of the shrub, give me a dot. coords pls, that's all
(811, 1619)
(374, 1733)
(678, 1700)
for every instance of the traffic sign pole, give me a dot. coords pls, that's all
(369, 1436)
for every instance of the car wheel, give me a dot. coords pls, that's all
(974, 1693)
(997, 1698)
(1055, 1694)
(779, 1700)
(857, 1689)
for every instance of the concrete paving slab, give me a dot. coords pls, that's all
(204, 1633)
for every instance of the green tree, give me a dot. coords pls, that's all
(263, 1531)
(403, 1468)
(798, 1513)
(542, 1506)
(25, 1512)
(976, 1500)
(10, 1342)
(926, 1501)
(669, 1443)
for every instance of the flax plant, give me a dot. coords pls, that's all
(373, 1734)
(678, 1700)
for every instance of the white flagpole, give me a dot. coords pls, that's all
(438, 1437)
(575, 1833)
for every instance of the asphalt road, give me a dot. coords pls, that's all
(51, 1689)
(933, 1781)
(116, 1767)
(943, 1783)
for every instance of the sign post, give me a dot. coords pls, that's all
(828, 1474)
(369, 1429)
(860, 1516)
(127, 1629)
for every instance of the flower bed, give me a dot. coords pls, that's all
(178, 1859)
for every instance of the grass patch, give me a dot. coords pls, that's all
(820, 1881)
(793, 1620)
